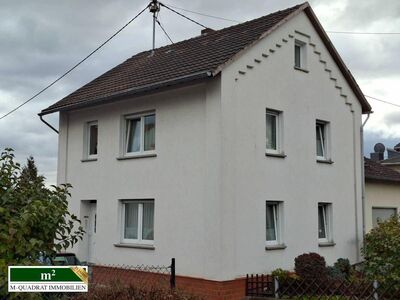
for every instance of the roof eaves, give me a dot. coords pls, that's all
(366, 107)
(381, 178)
(131, 92)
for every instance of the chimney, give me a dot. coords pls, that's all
(378, 155)
(397, 147)
(206, 31)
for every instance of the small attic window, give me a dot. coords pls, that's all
(300, 55)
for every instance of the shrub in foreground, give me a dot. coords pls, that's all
(382, 252)
(310, 266)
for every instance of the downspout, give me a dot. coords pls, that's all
(363, 174)
(355, 188)
(45, 122)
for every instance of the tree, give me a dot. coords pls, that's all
(382, 252)
(29, 174)
(34, 219)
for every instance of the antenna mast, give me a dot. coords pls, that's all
(154, 8)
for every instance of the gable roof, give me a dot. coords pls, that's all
(198, 58)
(376, 171)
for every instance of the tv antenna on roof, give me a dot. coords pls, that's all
(154, 8)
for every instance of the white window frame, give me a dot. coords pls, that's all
(325, 140)
(139, 240)
(327, 217)
(278, 126)
(303, 54)
(125, 134)
(87, 137)
(278, 222)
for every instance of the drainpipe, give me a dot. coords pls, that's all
(45, 122)
(363, 175)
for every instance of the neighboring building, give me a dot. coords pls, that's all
(382, 193)
(393, 156)
(233, 152)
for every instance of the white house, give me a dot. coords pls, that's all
(234, 152)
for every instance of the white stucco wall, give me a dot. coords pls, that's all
(179, 179)
(380, 195)
(211, 178)
(251, 178)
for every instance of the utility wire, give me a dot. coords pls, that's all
(236, 21)
(182, 15)
(205, 15)
(383, 101)
(159, 23)
(365, 33)
(75, 66)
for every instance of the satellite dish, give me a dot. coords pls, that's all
(379, 148)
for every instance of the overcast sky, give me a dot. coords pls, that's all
(41, 39)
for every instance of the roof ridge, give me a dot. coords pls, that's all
(220, 30)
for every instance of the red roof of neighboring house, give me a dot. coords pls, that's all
(376, 171)
(198, 58)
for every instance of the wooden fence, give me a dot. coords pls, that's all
(267, 286)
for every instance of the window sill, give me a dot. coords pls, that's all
(326, 244)
(88, 159)
(324, 161)
(136, 246)
(136, 156)
(275, 247)
(280, 155)
(301, 69)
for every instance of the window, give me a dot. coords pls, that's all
(324, 222)
(138, 222)
(321, 129)
(273, 131)
(273, 223)
(381, 214)
(140, 134)
(300, 55)
(91, 139)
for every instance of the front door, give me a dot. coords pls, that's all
(91, 223)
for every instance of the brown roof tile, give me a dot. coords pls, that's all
(197, 58)
(376, 171)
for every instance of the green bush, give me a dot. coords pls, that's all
(310, 266)
(284, 275)
(382, 252)
(340, 270)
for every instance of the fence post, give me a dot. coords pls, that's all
(376, 285)
(172, 280)
(276, 290)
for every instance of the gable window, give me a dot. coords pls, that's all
(138, 222)
(273, 223)
(273, 131)
(324, 222)
(140, 134)
(381, 214)
(321, 130)
(91, 138)
(299, 55)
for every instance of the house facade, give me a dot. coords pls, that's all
(382, 185)
(237, 168)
